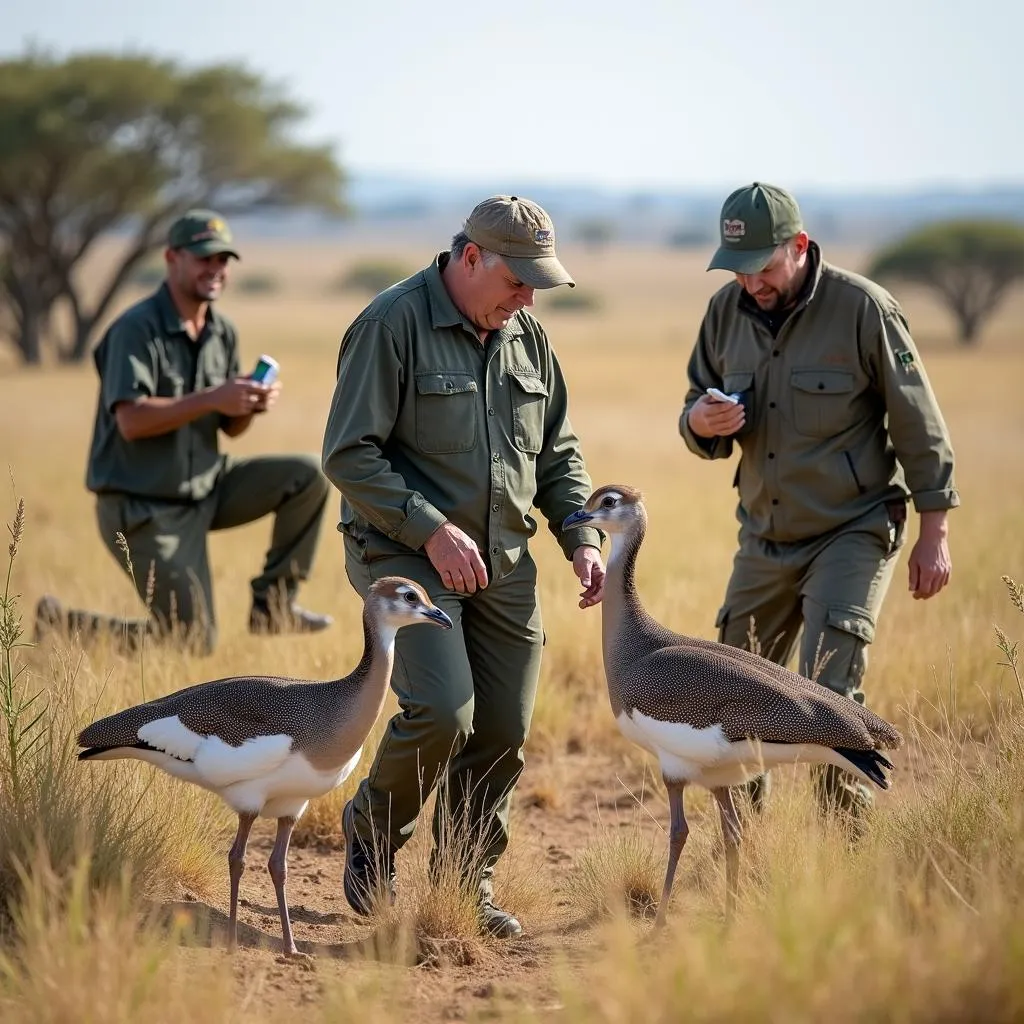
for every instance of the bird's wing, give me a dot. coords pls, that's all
(232, 709)
(702, 688)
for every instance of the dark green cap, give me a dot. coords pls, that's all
(521, 233)
(203, 233)
(756, 220)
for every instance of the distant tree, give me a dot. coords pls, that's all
(99, 143)
(374, 275)
(970, 264)
(689, 238)
(595, 233)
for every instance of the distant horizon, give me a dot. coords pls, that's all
(654, 96)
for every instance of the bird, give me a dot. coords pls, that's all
(267, 745)
(714, 715)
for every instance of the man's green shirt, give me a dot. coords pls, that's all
(840, 414)
(427, 425)
(145, 353)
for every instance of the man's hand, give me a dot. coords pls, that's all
(710, 417)
(239, 396)
(266, 403)
(457, 559)
(930, 562)
(589, 569)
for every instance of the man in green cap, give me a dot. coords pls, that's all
(449, 422)
(170, 384)
(824, 391)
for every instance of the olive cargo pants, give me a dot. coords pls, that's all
(171, 536)
(832, 588)
(467, 697)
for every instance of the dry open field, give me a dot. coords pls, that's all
(921, 921)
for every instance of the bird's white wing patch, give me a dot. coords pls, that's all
(703, 747)
(172, 736)
(221, 764)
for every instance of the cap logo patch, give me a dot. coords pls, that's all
(733, 229)
(215, 228)
(542, 235)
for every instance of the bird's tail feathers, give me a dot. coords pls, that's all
(869, 762)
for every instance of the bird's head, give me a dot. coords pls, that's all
(400, 602)
(613, 509)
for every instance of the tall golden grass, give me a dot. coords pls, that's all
(920, 921)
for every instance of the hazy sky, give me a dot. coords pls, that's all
(618, 93)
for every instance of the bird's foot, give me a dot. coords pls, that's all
(296, 959)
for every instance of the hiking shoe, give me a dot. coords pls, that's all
(497, 922)
(275, 620)
(49, 617)
(362, 879)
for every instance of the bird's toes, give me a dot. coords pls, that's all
(295, 958)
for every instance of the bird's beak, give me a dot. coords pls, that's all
(578, 518)
(439, 617)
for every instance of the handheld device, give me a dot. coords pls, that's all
(266, 370)
(721, 396)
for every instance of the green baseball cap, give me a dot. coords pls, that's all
(521, 233)
(756, 220)
(203, 233)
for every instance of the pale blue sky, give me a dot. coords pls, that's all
(614, 93)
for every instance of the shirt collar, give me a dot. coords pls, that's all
(172, 321)
(444, 312)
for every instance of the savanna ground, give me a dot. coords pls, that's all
(121, 874)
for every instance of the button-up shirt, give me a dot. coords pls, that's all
(428, 424)
(840, 414)
(147, 352)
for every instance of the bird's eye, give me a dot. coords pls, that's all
(410, 597)
(607, 501)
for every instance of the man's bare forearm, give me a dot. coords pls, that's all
(151, 417)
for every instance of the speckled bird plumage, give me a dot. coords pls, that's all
(714, 715)
(269, 744)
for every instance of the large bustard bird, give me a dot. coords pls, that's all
(267, 745)
(712, 714)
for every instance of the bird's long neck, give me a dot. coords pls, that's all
(627, 630)
(359, 697)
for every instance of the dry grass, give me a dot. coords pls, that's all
(921, 921)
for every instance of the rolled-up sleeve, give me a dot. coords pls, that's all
(919, 433)
(362, 415)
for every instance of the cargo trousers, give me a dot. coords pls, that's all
(169, 540)
(826, 592)
(466, 697)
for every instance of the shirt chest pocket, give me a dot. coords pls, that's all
(446, 412)
(822, 401)
(214, 368)
(529, 395)
(171, 379)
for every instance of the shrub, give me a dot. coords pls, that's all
(373, 276)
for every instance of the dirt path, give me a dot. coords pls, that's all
(547, 842)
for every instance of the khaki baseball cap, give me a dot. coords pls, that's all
(521, 233)
(203, 233)
(756, 220)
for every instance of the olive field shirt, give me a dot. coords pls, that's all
(840, 415)
(427, 425)
(145, 353)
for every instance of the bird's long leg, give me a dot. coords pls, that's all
(278, 868)
(236, 865)
(679, 830)
(732, 833)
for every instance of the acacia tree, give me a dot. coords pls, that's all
(970, 264)
(101, 143)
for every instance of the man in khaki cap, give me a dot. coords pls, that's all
(171, 383)
(838, 428)
(449, 422)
